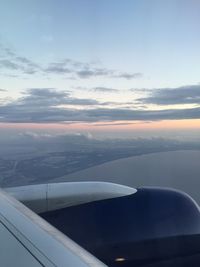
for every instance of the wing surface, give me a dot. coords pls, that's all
(28, 240)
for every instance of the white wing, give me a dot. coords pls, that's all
(27, 240)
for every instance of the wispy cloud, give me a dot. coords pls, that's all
(11, 61)
(87, 70)
(118, 124)
(8, 64)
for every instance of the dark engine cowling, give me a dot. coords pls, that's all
(153, 227)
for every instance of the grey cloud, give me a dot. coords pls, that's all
(105, 89)
(129, 76)
(27, 66)
(189, 94)
(9, 51)
(71, 68)
(86, 70)
(147, 115)
(87, 73)
(6, 51)
(58, 68)
(8, 64)
(27, 61)
(17, 64)
(81, 70)
(24, 60)
(43, 106)
(116, 124)
(82, 102)
(49, 97)
(42, 97)
(12, 62)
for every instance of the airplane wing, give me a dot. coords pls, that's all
(110, 225)
(28, 240)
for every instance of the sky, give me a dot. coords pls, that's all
(100, 65)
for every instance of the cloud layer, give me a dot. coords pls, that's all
(43, 105)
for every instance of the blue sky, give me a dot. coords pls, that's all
(115, 52)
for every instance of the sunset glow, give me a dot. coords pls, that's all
(128, 125)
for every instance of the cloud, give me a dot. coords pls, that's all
(45, 105)
(118, 124)
(34, 135)
(8, 64)
(29, 63)
(128, 76)
(93, 72)
(57, 69)
(105, 90)
(11, 61)
(86, 70)
(50, 97)
(79, 69)
(6, 51)
(3, 90)
(42, 105)
(147, 115)
(189, 94)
